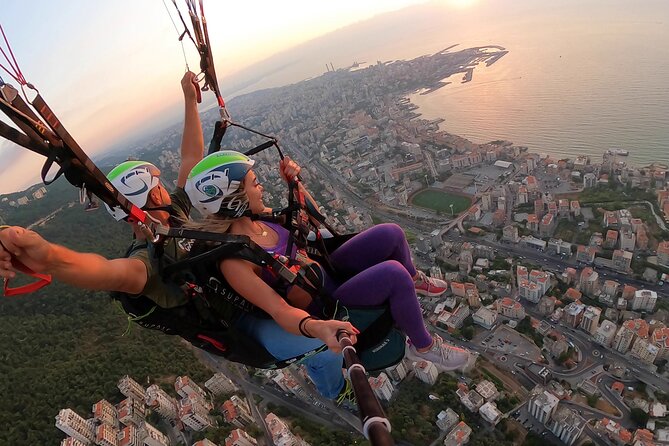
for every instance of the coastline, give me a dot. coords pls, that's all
(441, 119)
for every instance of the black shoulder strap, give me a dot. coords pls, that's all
(242, 247)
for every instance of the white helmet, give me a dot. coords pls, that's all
(135, 180)
(213, 185)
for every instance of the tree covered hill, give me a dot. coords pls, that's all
(64, 347)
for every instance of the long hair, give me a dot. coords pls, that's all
(215, 222)
(212, 223)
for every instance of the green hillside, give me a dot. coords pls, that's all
(63, 347)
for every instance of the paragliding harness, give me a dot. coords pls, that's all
(201, 321)
(196, 321)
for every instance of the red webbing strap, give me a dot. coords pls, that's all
(44, 280)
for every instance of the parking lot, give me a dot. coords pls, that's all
(509, 342)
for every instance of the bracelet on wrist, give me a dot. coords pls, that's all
(302, 327)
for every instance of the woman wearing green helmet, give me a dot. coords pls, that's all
(224, 187)
(376, 262)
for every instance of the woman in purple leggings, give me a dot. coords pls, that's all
(377, 262)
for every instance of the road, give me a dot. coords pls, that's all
(604, 384)
(269, 394)
(609, 355)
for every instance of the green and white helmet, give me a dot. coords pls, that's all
(213, 185)
(135, 180)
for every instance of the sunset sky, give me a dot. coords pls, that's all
(106, 67)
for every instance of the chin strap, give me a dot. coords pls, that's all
(43, 280)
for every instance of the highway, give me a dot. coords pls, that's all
(330, 419)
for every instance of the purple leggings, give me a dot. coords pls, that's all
(379, 265)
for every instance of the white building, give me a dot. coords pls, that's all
(457, 318)
(187, 388)
(426, 371)
(220, 384)
(542, 404)
(661, 340)
(69, 441)
(236, 412)
(447, 419)
(75, 426)
(510, 233)
(644, 300)
(644, 350)
(490, 413)
(281, 434)
(131, 436)
(131, 388)
(161, 402)
(459, 435)
(131, 412)
(627, 240)
(152, 436)
(382, 387)
(485, 318)
(605, 333)
(194, 415)
(470, 399)
(628, 331)
(397, 372)
(566, 425)
(589, 180)
(573, 313)
(510, 308)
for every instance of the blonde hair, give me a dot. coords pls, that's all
(214, 222)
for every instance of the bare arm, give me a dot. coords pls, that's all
(289, 169)
(94, 272)
(82, 270)
(241, 276)
(192, 140)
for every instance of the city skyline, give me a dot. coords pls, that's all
(113, 73)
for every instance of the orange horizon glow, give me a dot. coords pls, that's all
(107, 70)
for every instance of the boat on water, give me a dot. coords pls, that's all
(619, 152)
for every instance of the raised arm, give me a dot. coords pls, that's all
(82, 270)
(289, 169)
(192, 140)
(242, 278)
